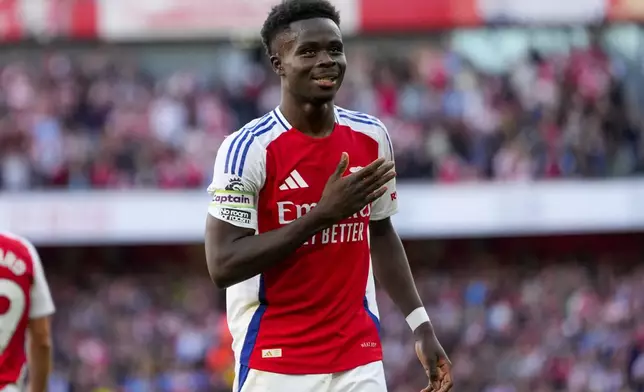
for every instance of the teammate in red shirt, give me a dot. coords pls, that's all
(25, 308)
(300, 222)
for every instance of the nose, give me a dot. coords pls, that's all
(325, 60)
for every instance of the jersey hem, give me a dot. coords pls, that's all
(303, 370)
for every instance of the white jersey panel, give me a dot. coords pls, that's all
(242, 302)
(240, 171)
(42, 304)
(387, 205)
(238, 178)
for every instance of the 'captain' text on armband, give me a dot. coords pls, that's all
(233, 199)
(350, 230)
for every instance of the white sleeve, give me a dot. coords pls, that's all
(42, 303)
(387, 205)
(238, 177)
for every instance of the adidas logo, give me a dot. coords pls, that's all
(293, 181)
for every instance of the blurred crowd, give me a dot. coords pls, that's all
(143, 321)
(96, 119)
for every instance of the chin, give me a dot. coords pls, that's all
(321, 99)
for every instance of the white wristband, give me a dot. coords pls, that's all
(417, 317)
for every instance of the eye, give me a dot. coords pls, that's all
(308, 53)
(336, 50)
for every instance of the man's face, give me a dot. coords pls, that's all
(311, 56)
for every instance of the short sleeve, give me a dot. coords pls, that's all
(387, 205)
(238, 177)
(42, 304)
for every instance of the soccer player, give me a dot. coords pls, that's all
(25, 308)
(300, 217)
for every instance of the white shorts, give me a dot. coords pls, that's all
(10, 388)
(367, 378)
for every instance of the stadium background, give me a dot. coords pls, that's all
(517, 127)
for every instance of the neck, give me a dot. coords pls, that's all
(308, 118)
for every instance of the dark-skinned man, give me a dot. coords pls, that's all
(300, 222)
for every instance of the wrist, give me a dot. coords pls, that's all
(314, 222)
(418, 321)
(319, 220)
(424, 329)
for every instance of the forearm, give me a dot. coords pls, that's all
(391, 267)
(40, 364)
(251, 255)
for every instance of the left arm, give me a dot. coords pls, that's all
(390, 265)
(39, 338)
(391, 268)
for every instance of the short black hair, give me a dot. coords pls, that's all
(289, 11)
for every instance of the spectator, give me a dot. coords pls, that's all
(139, 320)
(97, 121)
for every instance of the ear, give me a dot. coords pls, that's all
(276, 64)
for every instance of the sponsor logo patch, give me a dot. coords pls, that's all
(233, 215)
(351, 229)
(233, 199)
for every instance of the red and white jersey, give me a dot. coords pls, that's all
(24, 295)
(315, 312)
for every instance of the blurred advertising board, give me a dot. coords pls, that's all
(12, 23)
(45, 19)
(141, 20)
(426, 211)
(76, 19)
(417, 15)
(121, 20)
(626, 10)
(542, 12)
(420, 15)
(175, 19)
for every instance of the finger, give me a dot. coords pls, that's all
(367, 171)
(376, 175)
(380, 182)
(378, 179)
(382, 169)
(376, 195)
(433, 371)
(342, 166)
(446, 379)
(446, 386)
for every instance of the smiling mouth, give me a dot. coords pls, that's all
(327, 81)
